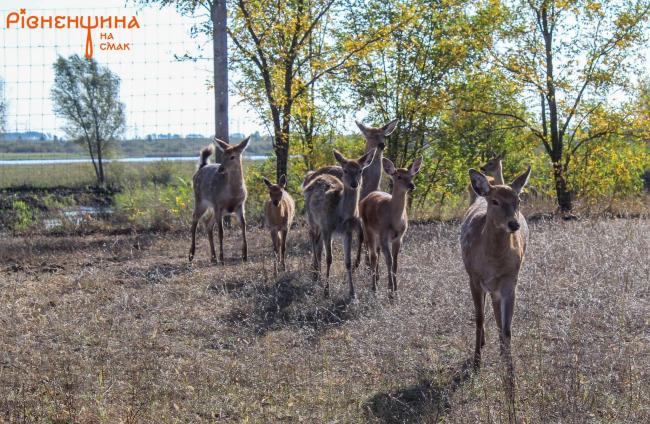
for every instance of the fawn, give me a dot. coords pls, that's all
(279, 211)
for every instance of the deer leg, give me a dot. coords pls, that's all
(328, 258)
(276, 242)
(210, 229)
(357, 262)
(220, 228)
(347, 252)
(395, 251)
(284, 249)
(507, 310)
(479, 301)
(372, 251)
(496, 307)
(199, 210)
(317, 250)
(389, 265)
(241, 217)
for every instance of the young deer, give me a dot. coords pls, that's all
(278, 216)
(375, 139)
(494, 170)
(333, 206)
(385, 220)
(493, 242)
(220, 189)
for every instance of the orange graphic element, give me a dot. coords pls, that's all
(22, 20)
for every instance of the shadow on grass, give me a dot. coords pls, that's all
(427, 401)
(287, 304)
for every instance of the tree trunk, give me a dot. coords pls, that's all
(100, 164)
(281, 146)
(561, 190)
(220, 66)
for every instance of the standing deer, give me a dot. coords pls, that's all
(494, 170)
(333, 206)
(220, 189)
(493, 242)
(385, 220)
(279, 211)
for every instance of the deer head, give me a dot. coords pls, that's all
(231, 154)
(502, 201)
(275, 190)
(376, 137)
(352, 169)
(402, 177)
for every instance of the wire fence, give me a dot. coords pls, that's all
(169, 103)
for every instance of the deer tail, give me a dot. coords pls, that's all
(206, 152)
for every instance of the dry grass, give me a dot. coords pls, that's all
(120, 329)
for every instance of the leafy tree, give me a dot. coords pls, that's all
(423, 73)
(283, 49)
(570, 57)
(86, 96)
(215, 25)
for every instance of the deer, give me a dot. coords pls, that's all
(279, 212)
(385, 220)
(493, 240)
(493, 168)
(333, 206)
(375, 140)
(219, 190)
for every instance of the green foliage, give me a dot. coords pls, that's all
(24, 217)
(86, 95)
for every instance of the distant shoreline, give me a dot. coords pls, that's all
(15, 162)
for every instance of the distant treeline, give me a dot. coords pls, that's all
(260, 145)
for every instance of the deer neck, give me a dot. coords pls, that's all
(397, 204)
(372, 174)
(349, 206)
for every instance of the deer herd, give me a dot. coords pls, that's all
(346, 199)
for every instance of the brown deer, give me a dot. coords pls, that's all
(333, 206)
(493, 242)
(279, 211)
(385, 220)
(220, 190)
(494, 171)
(375, 139)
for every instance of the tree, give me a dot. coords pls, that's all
(422, 73)
(216, 25)
(86, 96)
(570, 57)
(283, 49)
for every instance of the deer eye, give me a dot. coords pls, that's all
(232, 157)
(495, 202)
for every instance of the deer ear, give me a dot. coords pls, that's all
(389, 166)
(362, 127)
(480, 183)
(519, 182)
(390, 127)
(244, 144)
(415, 166)
(367, 158)
(339, 158)
(283, 181)
(221, 145)
(267, 182)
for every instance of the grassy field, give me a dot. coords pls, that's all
(118, 328)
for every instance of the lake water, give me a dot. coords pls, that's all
(124, 160)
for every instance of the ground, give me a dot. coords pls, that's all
(119, 328)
